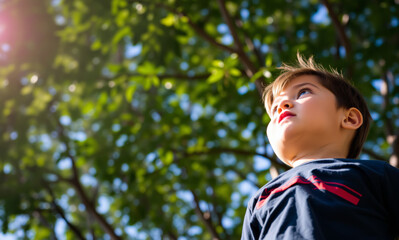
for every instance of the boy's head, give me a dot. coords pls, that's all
(315, 112)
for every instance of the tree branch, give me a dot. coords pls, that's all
(338, 27)
(249, 66)
(38, 214)
(205, 217)
(217, 213)
(194, 26)
(341, 35)
(392, 137)
(74, 228)
(60, 211)
(231, 25)
(250, 44)
(171, 235)
(79, 188)
(255, 50)
(385, 89)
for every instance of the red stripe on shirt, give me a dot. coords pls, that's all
(332, 187)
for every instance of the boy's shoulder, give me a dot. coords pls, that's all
(364, 191)
(339, 165)
(331, 170)
(346, 174)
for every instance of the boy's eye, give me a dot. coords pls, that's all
(303, 92)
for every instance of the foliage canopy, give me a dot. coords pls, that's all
(142, 119)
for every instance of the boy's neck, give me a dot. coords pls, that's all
(300, 162)
(317, 154)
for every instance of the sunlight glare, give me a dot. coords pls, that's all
(2, 28)
(34, 79)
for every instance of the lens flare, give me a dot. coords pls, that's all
(2, 28)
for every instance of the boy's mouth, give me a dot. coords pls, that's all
(284, 115)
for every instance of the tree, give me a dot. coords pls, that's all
(143, 119)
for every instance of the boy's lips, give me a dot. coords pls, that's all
(284, 115)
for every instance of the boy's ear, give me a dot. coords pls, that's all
(353, 119)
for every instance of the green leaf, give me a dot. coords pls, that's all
(258, 75)
(216, 75)
(96, 45)
(26, 90)
(169, 20)
(129, 92)
(120, 35)
(167, 158)
(235, 72)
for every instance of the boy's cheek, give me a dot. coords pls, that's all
(269, 131)
(268, 128)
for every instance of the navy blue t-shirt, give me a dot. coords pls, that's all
(327, 199)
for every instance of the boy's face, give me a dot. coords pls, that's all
(304, 120)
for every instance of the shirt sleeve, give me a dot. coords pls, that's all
(392, 196)
(251, 227)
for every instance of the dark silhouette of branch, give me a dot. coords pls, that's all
(217, 213)
(92, 210)
(205, 217)
(255, 50)
(90, 206)
(171, 235)
(60, 212)
(231, 25)
(338, 27)
(194, 26)
(343, 37)
(206, 36)
(237, 42)
(250, 69)
(249, 66)
(74, 228)
(386, 104)
(250, 44)
(392, 137)
(38, 214)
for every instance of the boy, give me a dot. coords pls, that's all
(318, 124)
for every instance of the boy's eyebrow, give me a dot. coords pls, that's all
(303, 84)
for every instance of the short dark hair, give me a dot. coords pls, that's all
(346, 94)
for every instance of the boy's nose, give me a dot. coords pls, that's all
(285, 104)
